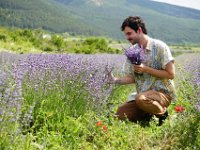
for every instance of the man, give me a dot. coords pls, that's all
(153, 78)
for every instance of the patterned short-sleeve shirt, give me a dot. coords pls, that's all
(157, 55)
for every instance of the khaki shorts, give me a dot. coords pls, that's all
(149, 102)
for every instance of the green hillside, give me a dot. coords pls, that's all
(168, 9)
(102, 17)
(109, 17)
(47, 15)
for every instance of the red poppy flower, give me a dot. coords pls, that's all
(104, 128)
(99, 123)
(179, 109)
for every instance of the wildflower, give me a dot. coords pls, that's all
(179, 109)
(99, 123)
(135, 54)
(105, 128)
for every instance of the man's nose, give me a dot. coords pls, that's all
(127, 37)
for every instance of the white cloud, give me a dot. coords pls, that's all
(186, 3)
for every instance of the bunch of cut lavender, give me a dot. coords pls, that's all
(135, 54)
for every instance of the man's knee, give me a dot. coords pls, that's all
(140, 99)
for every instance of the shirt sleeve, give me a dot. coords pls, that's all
(166, 56)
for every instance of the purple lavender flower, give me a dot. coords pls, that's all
(135, 54)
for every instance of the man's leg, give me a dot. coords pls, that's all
(129, 110)
(154, 102)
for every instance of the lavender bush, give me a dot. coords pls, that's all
(190, 80)
(77, 82)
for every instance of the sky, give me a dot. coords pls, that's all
(186, 3)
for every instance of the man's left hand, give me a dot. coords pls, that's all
(139, 68)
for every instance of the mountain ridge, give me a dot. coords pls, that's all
(173, 24)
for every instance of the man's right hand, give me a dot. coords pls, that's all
(109, 77)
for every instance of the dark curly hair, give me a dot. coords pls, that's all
(134, 22)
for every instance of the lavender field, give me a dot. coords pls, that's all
(62, 101)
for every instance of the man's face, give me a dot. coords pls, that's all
(131, 35)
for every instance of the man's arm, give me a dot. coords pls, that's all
(128, 79)
(124, 80)
(168, 72)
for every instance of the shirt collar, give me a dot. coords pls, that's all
(149, 44)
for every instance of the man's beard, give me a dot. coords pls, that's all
(132, 41)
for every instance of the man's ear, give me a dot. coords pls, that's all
(139, 30)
